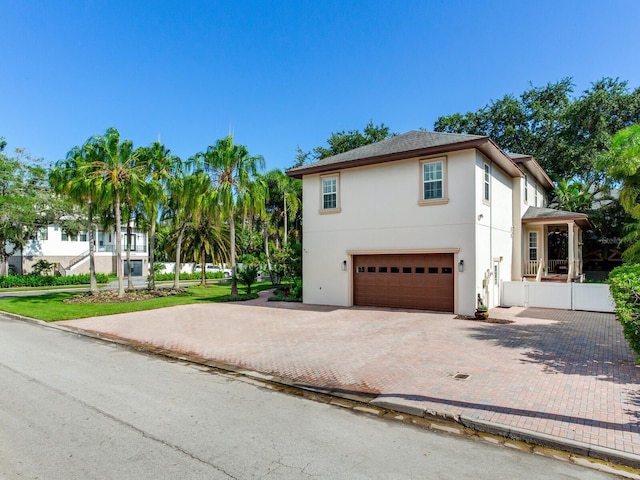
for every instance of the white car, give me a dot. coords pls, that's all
(211, 268)
(218, 268)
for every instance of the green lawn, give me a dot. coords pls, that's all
(50, 307)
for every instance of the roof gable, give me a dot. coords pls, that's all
(411, 144)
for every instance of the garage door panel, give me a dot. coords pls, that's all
(423, 281)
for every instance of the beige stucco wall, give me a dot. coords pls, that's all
(494, 240)
(379, 211)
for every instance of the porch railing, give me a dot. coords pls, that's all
(78, 259)
(558, 265)
(531, 267)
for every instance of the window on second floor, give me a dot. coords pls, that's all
(330, 194)
(433, 181)
(526, 188)
(486, 196)
(535, 196)
(43, 233)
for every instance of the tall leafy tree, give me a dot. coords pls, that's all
(564, 132)
(342, 141)
(232, 170)
(116, 173)
(26, 203)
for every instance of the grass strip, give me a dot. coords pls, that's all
(50, 307)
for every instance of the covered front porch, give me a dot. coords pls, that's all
(553, 245)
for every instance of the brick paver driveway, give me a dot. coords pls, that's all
(567, 374)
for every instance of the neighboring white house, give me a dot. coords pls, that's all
(71, 253)
(432, 221)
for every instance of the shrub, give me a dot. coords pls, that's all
(49, 281)
(242, 297)
(43, 267)
(624, 283)
(296, 290)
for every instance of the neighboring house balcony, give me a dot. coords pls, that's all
(112, 248)
(553, 244)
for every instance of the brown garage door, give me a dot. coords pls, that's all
(423, 281)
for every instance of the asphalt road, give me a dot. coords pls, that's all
(76, 408)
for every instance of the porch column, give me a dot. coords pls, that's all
(579, 250)
(571, 259)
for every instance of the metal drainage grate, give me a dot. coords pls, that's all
(461, 376)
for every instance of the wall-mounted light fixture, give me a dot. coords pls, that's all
(461, 266)
(344, 265)
(557, 231)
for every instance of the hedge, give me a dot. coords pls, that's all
(624, 284)
(167, 277)
(49, 280)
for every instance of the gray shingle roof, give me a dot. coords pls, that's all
(539, 213)
(407, 142)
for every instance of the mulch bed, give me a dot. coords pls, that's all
(111, 296)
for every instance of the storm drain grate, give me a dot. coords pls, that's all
(461, 376)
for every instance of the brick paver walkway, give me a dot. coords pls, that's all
(566, 374)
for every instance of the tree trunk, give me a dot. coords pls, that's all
(93, 288)
(203, 267)
(4, 259)
(232, 234)
(286, 223)
(130, 286)
(176, 277)
(265, 229)
(119, 265)
(152, 254)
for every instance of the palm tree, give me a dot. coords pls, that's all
(205, 237)
(69, 177)
(231, 170)
(187, 194)
(115, 172)
(284, 199)
(572, 196)
(160, 166)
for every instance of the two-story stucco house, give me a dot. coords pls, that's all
(431, 221)
(71, 252)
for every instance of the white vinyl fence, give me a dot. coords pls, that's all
(594, 297)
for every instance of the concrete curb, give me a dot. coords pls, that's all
(381, 403)
(549, 441)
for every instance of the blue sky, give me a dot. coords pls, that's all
(284, 73)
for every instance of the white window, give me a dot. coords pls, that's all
(433, 183)
(487, 183)
(535, 196)
(526, 189)
(533, 246)
(329, 200)
(43, 233)
(83, 236)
